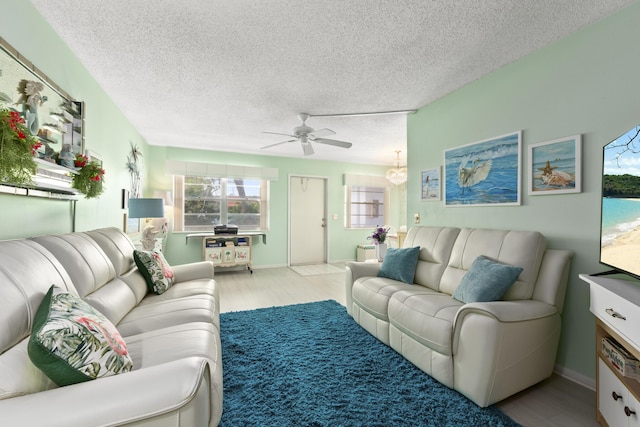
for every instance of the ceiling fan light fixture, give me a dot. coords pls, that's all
(305, 135)
(397, 175)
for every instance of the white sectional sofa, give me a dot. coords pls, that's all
(485, 350)
(173, 339)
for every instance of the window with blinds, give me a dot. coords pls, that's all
(203, 202)
(366, 206)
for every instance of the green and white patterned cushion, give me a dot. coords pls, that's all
(72, 342)
(155, 269)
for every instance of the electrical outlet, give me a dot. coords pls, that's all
(416, 218)
(335, 216)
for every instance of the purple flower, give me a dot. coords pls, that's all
(379, 235)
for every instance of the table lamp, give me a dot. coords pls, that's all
(148, 208)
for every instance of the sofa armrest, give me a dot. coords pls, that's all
(553, 276)
(503, 347)
(116, 400)
(362, 269)
(353, 271)
(192, 271)
(507, 311)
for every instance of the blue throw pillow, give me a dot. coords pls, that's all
(400, 264)
(486, 280)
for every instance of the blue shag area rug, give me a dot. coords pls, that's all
(313, 365)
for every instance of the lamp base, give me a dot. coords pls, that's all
(149, 238)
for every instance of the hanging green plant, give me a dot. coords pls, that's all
(89, 178)
(17, 148)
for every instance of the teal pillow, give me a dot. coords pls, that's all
(486, 280)
(400, 264)
(72, 342)
(156, 270)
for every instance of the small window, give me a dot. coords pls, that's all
(366, 206)
(204, 202)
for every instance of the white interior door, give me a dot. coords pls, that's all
(307, 220)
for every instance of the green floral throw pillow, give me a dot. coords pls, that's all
(72, 342)
(155, 269)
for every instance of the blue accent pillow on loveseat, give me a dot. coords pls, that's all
(400, 264)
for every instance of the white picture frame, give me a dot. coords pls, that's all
(555, 166)
(430, 185)
(484, 173)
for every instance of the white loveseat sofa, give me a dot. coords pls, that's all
(173, 338)
(485, 350)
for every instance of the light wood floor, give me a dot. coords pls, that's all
(555, 402)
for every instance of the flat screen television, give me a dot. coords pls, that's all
(620, 213)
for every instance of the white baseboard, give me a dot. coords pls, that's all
(576, 377)
(263, 267)
(259, 267)
(335, 261)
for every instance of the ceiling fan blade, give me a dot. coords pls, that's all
(277, 133)
(333, 142)
(307, 149)
(321, 132)
(277, 143)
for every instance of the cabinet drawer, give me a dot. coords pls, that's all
(228, 255)
(617, 312)
(612, 396)
(213, 254)
(614, 400)
(243, 254)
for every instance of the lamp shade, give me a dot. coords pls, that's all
(146, 208)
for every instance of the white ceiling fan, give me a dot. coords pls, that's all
(306, 135)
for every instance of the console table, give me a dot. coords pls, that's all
(616, 306)
(210, 234)
(228, 250)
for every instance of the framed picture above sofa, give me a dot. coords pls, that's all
(484, 173)
(430, 185)
(554, 166)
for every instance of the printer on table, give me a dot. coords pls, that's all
(225, 229)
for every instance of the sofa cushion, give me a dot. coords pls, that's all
(400, 264)
(520, 248)
(72, 342)
(87, 264)
(165, 313)
(92, 273)
(117, 246)
(435, 248)
(155, 269)
(486, 280)
(372, 294)
(426, 316)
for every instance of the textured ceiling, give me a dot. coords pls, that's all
(215, 74)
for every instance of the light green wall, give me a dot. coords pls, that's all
(342, 242)
(585, 84)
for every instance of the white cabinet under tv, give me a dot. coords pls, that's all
(616, 305)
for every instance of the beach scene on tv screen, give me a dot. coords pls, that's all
(620, 238)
